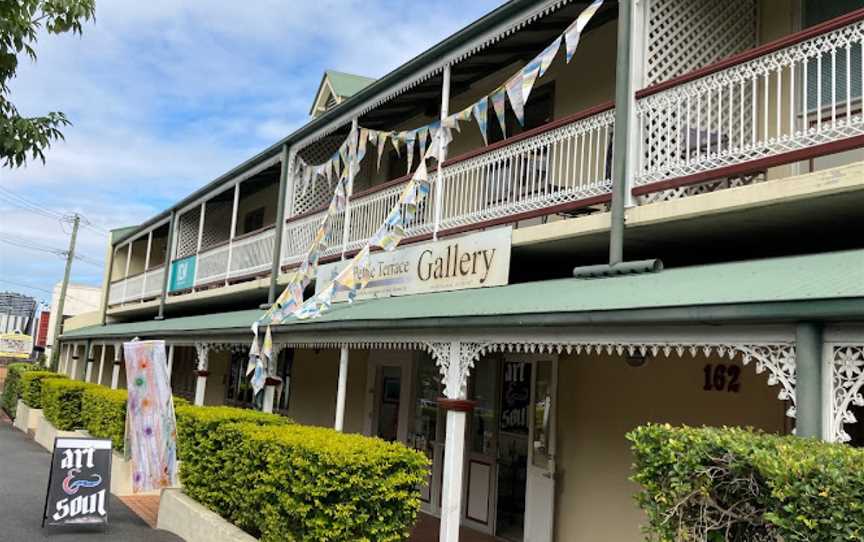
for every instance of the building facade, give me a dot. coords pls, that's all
(525, 323)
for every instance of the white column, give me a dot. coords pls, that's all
(115, 371)
(101, 365)
(74, 368)
(442, 152)
(269, 397)
(88, 369)
(828, 434)
(454, 451)
(203, 364)
(66, 350)
(353, 142)
(233, 231)
(170, 362)
(341, 390)
(200, 239)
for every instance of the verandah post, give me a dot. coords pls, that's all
(341, 389)
(442, 153)
(101, 363)
(457, 407)
(202, 373)
(286, 165)
(353, 149)
(808, 379)
(88, 368)
(74, 368)
(115, 370)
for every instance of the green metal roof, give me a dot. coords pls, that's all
(347, 84)
(763, 284)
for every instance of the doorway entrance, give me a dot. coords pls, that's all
(509, 468)
(388, 380)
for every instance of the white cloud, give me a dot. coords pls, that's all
(166, 95)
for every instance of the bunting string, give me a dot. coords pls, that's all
(355, 276)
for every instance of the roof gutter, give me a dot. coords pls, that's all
(848, 309)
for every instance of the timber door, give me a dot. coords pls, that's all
(540, 490)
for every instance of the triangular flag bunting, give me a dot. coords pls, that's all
(574, 31)
(548, 55)
(514, 92)
(481, 114)
(499, 100)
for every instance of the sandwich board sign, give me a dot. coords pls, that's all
(78, 483)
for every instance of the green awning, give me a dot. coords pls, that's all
(805, 281)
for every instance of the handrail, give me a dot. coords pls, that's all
(549, 126)
(253, 233)
(756, 52)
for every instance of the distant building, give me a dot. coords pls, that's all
(79, 299)
(17, 321)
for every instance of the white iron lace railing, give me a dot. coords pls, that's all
(240, 257)
(550, 168)
(790, 98)
(145, 285)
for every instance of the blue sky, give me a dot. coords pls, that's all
(165, 95)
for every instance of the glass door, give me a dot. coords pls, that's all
(389, 400)
(513, 449)
(426, 435)
(540, 487)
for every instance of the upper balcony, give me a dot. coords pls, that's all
(710, 113)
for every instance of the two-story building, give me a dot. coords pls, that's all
(525, 323)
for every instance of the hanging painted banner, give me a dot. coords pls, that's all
(78, 483)
(151, 430)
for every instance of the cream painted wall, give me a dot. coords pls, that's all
(263, 198)
(314, 379)
(218, 365)
(601, 399)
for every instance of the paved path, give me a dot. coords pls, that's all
(23, 477)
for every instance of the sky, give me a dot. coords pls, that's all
(166, 95)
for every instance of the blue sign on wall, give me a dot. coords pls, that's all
(182, 274)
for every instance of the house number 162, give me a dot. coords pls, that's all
(722, 378)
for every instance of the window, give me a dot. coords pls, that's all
(819, 11)
(254, 220)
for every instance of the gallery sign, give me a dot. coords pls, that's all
(78, 483)
(16, 345)
(182, 274)
(477, 260)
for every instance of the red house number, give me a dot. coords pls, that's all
(722, 378)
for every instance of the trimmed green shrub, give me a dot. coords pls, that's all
(742, 485)
(12, 386)
(103, 414)
(313, 483)
(198, 443)
(31, 386)
(61, 402)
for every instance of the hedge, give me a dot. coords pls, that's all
(12, 387)
(103, 413)
(31, 386)
(312, 483)
(739, 484)
(61, 402)
(199, 441)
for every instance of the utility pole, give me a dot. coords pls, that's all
(58, 318)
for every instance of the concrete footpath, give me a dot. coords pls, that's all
(23, 478)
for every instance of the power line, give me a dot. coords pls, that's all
(28, 205)
(29, 245)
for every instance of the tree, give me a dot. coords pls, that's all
(20, 23)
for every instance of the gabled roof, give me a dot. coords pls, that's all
(772, 289)
(341, 85)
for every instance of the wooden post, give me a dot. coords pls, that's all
(170, 361)
(454, 447)
(115, 370)
(353, 149)
(233, 231)
(341, 389)
(442, 153)
(74, 369)
(202, 373)
(88, 369)
(101, 364)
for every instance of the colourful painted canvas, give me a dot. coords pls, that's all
(151, 430)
